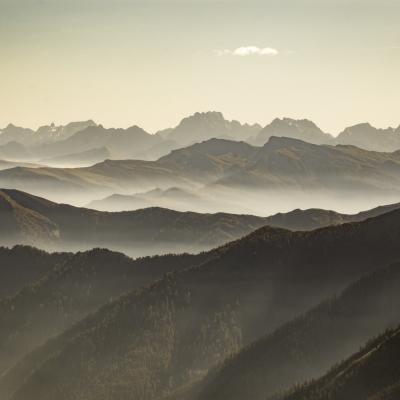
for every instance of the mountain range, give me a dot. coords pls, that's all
(218, 167)
(78, 137)
(44, 134)
(128, 143)
(31, 220)
(169, 335)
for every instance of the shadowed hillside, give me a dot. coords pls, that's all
(60, 294)
(22, 265)
(307, 346)
(372, 373)
(150, 343)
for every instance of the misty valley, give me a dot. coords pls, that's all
(213, 260)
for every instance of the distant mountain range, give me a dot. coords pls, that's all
(78, 137)
(135, 143)
(129, 143)
(162, 339)
(44, 134)
(27, 219)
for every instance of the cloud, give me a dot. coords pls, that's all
(249, 51)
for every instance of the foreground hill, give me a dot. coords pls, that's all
(151, 342)
(308, 345)
(372, 373)
(74, 286)
(22, 265)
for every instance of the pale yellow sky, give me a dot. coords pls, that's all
(150, 63)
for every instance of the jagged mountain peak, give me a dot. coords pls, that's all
(216, 115)
(302, 129)
(299, 123)
(202, 126)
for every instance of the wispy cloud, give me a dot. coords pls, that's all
(248, 51)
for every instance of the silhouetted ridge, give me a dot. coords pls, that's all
(31, 219)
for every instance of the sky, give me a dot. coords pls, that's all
(152, 62)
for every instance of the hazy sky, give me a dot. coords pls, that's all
(125, 62)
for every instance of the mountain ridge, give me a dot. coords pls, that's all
(37, 221)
